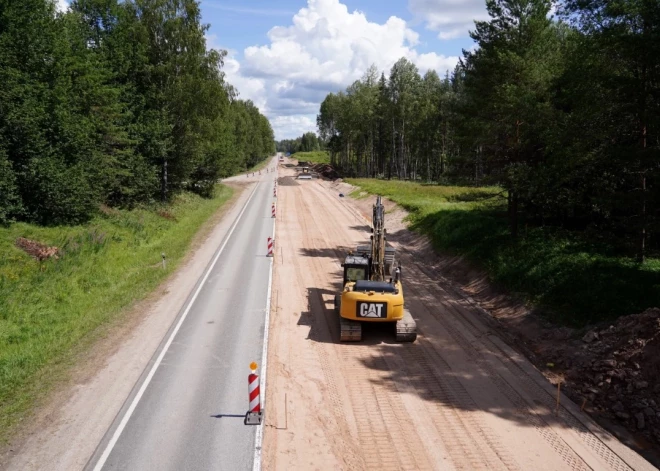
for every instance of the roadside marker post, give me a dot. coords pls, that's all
(273, 209)
(271, 243)
(254, 414)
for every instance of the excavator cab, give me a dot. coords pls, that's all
(355, 268)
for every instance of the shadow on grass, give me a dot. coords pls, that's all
(573, 280)
(475, 196)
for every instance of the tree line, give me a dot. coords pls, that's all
(308, 142)
(562, 112)
(114, 102)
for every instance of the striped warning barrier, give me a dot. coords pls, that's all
(271, 242)
(254, 414)
(253, 390)
(273, 209)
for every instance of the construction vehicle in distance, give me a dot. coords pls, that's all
(368, 295)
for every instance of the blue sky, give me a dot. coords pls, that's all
(286, 56)
(241, 24)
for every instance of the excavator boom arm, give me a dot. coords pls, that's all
(378, 241)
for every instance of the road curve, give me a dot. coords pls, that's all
(186, 410)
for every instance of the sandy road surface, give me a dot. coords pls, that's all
(458, 398)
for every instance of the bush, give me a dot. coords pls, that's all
(55, 193)
(9, 201)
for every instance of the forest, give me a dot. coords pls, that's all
(308, 142)
(116, 103)
(558, 108)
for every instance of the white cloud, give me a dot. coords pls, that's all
(323, 50)
(249, 88)
(62, 6)
(212, 41)
(286, 127)
(451, 18)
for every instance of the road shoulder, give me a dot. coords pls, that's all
(68, 426)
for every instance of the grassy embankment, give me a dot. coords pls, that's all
(50, 313)
(317, 157)
(571, 279)
(260, 165)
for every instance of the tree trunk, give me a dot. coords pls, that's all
(444, 147)
(163, 182)
(512, 201)
(393, 152)
(641, 255)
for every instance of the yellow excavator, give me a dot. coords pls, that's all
(372, 287)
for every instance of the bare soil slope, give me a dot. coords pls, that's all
(458, 398)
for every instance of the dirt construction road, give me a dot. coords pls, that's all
(458, 398)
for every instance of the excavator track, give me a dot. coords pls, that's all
(349, 331)
(406, 328)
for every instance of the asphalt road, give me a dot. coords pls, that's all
(187, 412)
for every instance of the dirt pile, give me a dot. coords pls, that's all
(37, 250)
(326, 171)
(617, 370)
(287, 181)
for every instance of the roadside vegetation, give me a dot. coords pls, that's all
(259, 165)
(575, 278)
(317, 157)
(117, 103)
(52, 310)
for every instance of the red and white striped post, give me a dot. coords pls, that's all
(271, 243)
(273, 209)
(253, 391)
(254, 414)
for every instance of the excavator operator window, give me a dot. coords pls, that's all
(354, 274)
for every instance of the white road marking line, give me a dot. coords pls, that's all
(264, 360)
(115, 437)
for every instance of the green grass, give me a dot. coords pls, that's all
(316, 157)
(570, 278)
(260, 165)
(49, 314)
